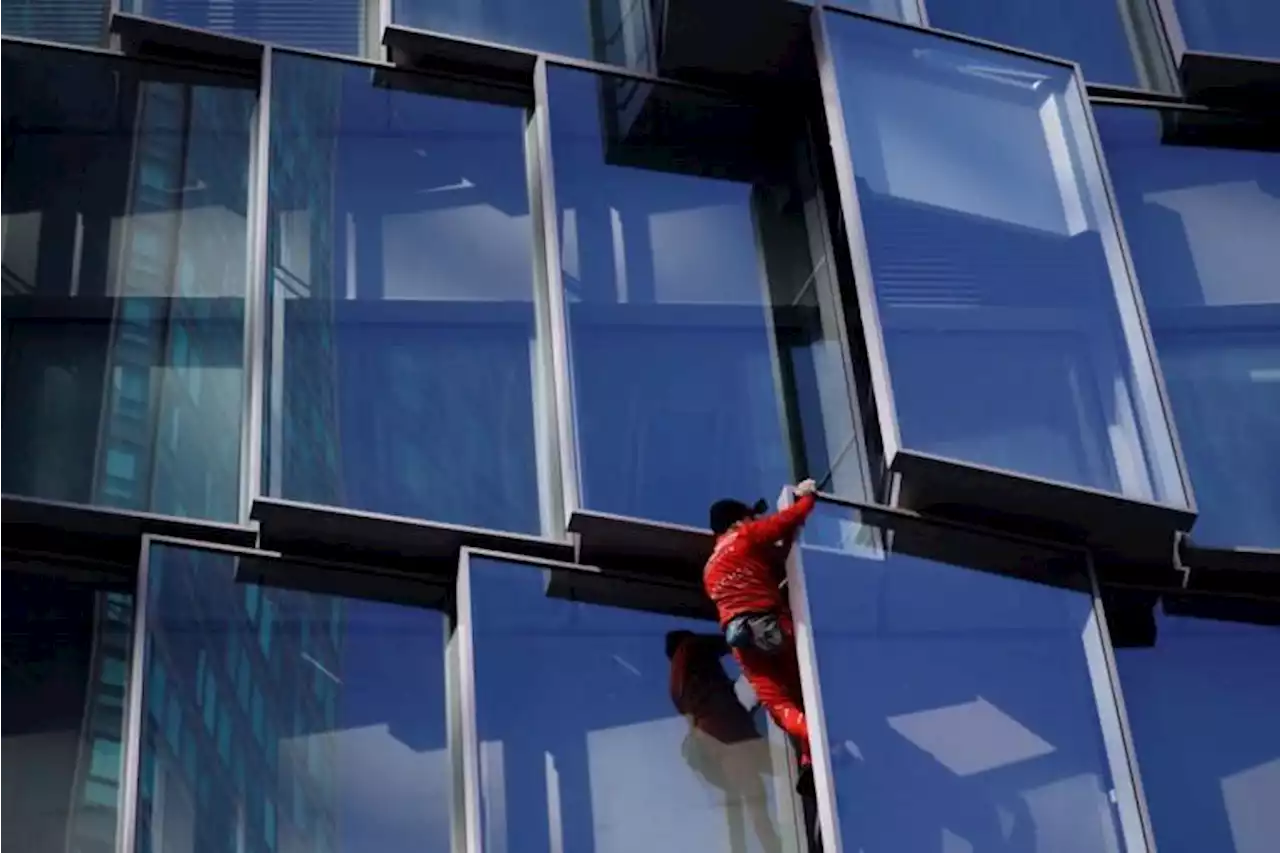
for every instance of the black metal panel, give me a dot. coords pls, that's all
(647, 549)
(972, 546)
(101, 534)
(344, 582)
(1122, 530)
(385, 543)
(1231, 81)
(613, 590)
(711, 40)
(423, 50)
(1221, 129)
(146, 37)
(1243, 571)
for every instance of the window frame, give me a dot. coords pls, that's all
(923, 480)
(1133, 816)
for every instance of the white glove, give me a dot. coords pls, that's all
(806, 487)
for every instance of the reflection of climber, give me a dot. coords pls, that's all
(743, 577)
(723, 745)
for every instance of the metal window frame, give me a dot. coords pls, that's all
(1112, 720)
(252, 422)
(648, 541)
(1053, 497)
(1196, 71)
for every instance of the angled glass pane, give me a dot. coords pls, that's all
(330, 25)
(966, 708)
(1011, 327)
(66, 672)
(1202, 224)
(1241, 27)
(348, 752)
(1213, 689)
(602, 728)
(621, 32)
(1115, 41)
(74, 22)
(705, 346)
(125, 197)
(402, 349)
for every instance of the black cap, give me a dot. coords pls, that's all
(674, 639)
(728, 512)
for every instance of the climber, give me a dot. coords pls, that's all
(743, 578)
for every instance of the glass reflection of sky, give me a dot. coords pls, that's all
(964, 700)
(1202, 707)
(403, 271)
(581, 746)
(1011, 333)
(1201, 225)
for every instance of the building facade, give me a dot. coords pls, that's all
(369, 367)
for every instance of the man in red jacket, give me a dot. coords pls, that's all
(743, 578)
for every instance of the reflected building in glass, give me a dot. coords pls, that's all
(370, 369)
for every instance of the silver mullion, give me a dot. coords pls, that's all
(811, 692)
(463, 707)
(255, 299)
(846, 186)
(131, 742)
(1167, 14)
(1117, 736)
(552, 295)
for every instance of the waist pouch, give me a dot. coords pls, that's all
(759, 631)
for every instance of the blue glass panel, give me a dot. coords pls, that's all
(376, 778)
(70, 21)
(62, 721)
(331, 25)
(959, 704)
(1011, 327)
(1242, 27)
(1109, 38)
(1202, 226)
(704, 341)
(1212, 689)
(403, 349)
(582, 747)
(120, 387)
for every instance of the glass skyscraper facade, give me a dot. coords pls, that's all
(370, 366)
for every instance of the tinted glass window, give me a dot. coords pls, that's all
(74, 22)
(602, 729)
(1201, 225)
(1114, 40)
(1242, 27)
(965, 710)
(125, 193)
(704, 339)
(331, 25)
(66, 657)
(403, 355)
(1213, 689)
(353, 754)
(1010, 324)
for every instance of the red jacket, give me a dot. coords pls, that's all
(745, 569)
